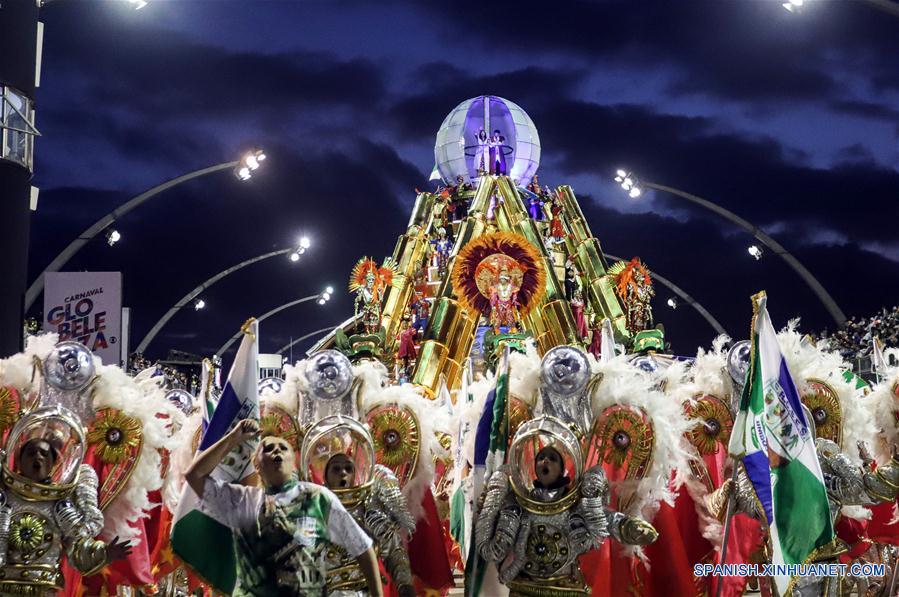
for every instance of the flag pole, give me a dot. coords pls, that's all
(731, 499)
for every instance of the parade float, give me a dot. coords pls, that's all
(501, 402)
(493, 263)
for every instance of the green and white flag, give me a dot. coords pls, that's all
(204, 544)
(491, 440)
(773, 439)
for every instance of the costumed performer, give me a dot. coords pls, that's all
(48, 506)
(283, 530)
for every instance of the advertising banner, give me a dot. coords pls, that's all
(86, 307)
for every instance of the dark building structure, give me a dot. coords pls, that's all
(19, 39)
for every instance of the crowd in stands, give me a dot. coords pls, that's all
(854, 340)
(174, 377)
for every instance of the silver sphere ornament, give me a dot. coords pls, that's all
(647, 364)
(738, 358)
(183, 399)
(70, 366)
(459, 152)
(272, 384)
(330, 375)
(565, 371)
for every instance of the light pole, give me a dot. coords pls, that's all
(634, 186)
(292, 343)
(322, 298)
(294, 255)
(683, 295)
(103, 223)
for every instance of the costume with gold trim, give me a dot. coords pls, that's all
(42, 522)
(373, 496)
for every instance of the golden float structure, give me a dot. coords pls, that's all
(498, 204)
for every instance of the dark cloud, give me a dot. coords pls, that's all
(867, 110)
(754, 177)
(140, 68)
(445, 85)
(855, 153)
(127, 103)
(745, 51)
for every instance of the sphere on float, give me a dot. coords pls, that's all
(487, 135)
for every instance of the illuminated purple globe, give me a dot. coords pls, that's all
(487, 135)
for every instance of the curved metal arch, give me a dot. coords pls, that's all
(265, 316)
(157, 327)
(683, 295)
(60, 260)
(290, 345)
(829, 303)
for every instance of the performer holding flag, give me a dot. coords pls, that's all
(248, 540)
(201, 542)
(777, 447)
(491, 440)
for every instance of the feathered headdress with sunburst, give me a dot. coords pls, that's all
(479, 264)
(630, 275)
(383, 274)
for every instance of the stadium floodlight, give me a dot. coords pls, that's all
(248, 164)
(629, 182)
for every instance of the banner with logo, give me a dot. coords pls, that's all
(86, 307)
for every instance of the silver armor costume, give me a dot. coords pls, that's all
(380, 509)
(849, 485)
(43, 520)
(38, 526)
(536, 535)
(372, 497)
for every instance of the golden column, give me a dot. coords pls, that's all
(599, 290)
(451, 329)
(551, 321)
(409, 256)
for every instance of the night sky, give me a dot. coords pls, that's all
(789, 120)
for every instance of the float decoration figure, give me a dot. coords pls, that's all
(501, 277)
(369, 282)
(441, 250)
(634, 286)
(406, 353)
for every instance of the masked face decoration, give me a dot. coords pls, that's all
(565, 371)
(68, 371)
(70, 367)
(329, 374)
(182, 399)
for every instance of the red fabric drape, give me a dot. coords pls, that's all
(427, 552)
